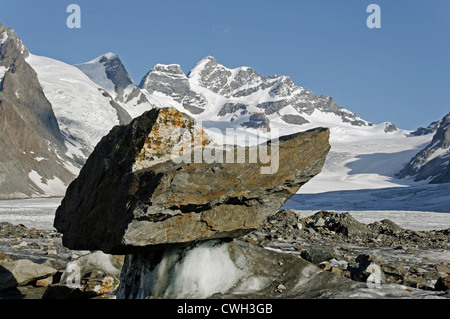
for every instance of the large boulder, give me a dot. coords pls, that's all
(145, 186)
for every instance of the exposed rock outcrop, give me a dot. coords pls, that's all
(134, 192)
(33, 157)
(433, 162)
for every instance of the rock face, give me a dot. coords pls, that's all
(433, 162)
(33, 157)
(426, 130)
(134, 192)
(170, 80)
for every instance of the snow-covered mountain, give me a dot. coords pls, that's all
(33, 159)
(52, 116)
(433, 162)
(74, 106)
(212, 92)
(362, 156)
(85, 111)
(108, 72)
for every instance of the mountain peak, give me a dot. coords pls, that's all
(168, 68)
(103, 58)
(110, 55)
(162, 72)
(8, 37)
(208, 58)
(108, 72)
(205, 65)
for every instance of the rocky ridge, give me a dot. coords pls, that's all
(33, 159)
(244, 94)
(433, 162)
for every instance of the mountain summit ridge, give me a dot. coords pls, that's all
(231, 94)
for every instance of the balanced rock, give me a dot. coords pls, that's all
(145, 185)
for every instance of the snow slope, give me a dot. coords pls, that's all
(108, 72)
(83, 110)
(95, 70)
(365, 158)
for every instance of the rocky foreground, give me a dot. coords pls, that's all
(35, 265)
(380, 252)
(193, 228)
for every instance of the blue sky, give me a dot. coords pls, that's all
(399, 73)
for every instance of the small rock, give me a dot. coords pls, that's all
(280, 288)
(318, 254)
(413, 280)
(325, 266)
(396, 269)
(24, 271)
(4, 256)
(320, 222)
(443, 284)
(23, 244)
(342, 264)
(376, 275)
(431, 275)
(44, 282)
(443, 269)
(337, 271)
